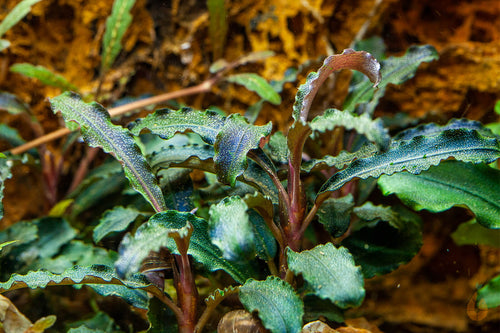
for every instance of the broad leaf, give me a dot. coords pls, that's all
(116, 219)
(489, 295)
(452, 183)
(154, 234)
(277, 148)
(340, 161)
(349, 59)
(472, 233)
(384, 238)
(330, 273)
(178, 188)
(161, 318)
(116, 26)
(373, 129)
(258, 84)
(417, 155)
(395, 70)
(16, 15)
(233, 142)
(43, 74)
(265, 242)
(231, 231)
(278, 306)
(98, 131)
(335, 214)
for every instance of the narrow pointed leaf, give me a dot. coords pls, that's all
(276, 303)
(116, 219)
(395, 70)
(154, 234)
(417, 155)
(489, 295)
(258, 84)
(218, 26)
(349, 59)
(43, 74)
(233, 142)
(165, 123)
(331, 273)
(116, 26)
(98, 131)
(452, 183)
(16, 15)
(231, 231)
(373, 129)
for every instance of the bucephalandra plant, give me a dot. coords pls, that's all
(269, 215)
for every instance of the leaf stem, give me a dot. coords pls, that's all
(211, 307)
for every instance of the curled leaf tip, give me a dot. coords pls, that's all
(365, 63)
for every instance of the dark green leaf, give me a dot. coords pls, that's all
(278, 148)
(43, 74)
(116, 26)
(154, 234)
(331, 273)
(472, 233)
(116, 219)
(335, 214)
(258, 84)
(233, 142)
(316, 307)
(452, 183)
(231, 231)
(395, 70)
(13, 104)
(277, 304)
(98, 131)
(5, 173)
(489, 295)
(387, 239)
(99, 323)
(135, 297)
(161, 318)
(218, 26)
(417, 155)
(264, 239)
(178, 188)
(339, 161)
(373, 129)
(10, 135)
(16, 15)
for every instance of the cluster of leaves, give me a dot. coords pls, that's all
(263, 214)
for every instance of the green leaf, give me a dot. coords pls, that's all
(417, 155)
(10, 135)
(384, 239)
(395, 70)
(4, 244)
(178, 188)
(316, 307)
(349, 59)
(472, 233)
(331, 273)
(116, 219)
(233, 142)
(5, 173)
(218, 26)
(135, 297)
(4, 44)
(373, 129)
(116, 26)
(154, 234)
(489, 295)
(230, 229)
(277, 148)
(99, 323)
(342, 159)
(161, 318)
(279, 307)
(165, 123)
(43, 74)
(98, 131)
(335, 214)
(258, 84)
(16, 14)
(452, 183)
(264, 240)
(95, 274)
(13, 104)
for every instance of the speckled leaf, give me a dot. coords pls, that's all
(258, 84)
(98, 131)
(335, 214)
(373, 130)
(395, 70)
(278, 306)
(155, 234)
(489, 295)
(230, 229)
(116, 26)
(452, 183)
(16, 15)
(277, 148)
(165, 123)
(331, 273)
(233, 142)
(5, 173)
(43, 74)
(417, 155)
(116, 219)
(339, 161)
(349, 59)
